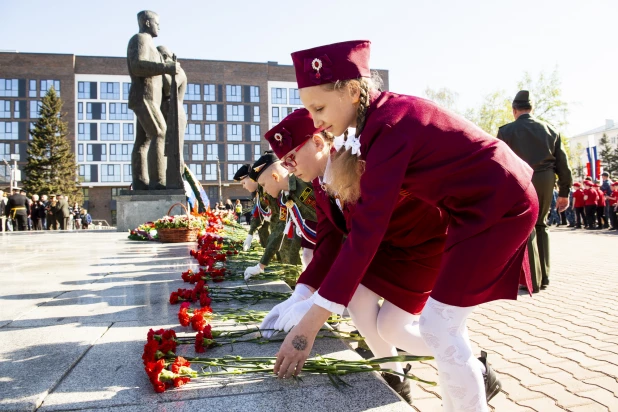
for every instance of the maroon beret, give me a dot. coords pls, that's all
(333, 62)
(291, 132)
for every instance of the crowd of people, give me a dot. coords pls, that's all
(45, 212)
(592, 206)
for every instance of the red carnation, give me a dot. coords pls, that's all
(181, 380)
(205, 300)
(183, 316)
(152, 333)
(178, 363)
(153, 370)
(174, 298)
(168, 346)
(150, 351)
(169, 334)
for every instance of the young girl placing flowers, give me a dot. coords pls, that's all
(412, 145)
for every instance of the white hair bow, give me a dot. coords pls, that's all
(339, 142)
(353, 144)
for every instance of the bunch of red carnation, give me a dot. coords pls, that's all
(198, 294)
(159, 343)
(204, 339)
(197, 318)
(178, 374)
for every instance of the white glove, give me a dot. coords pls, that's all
(294, 314)
(252, 271)
(247, 244)
(301, 293)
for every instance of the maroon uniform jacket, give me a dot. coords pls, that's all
(592, 196)
(578, 197)
(412, 145)
(406, 263)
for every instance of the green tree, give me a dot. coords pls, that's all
(494, 112)
(443, 97)
(608, 155)
(546, 94)
(51, 166)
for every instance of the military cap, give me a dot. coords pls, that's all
(577, 184)
(242, 172)
(267, 159)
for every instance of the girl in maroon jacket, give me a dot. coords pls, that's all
(409, 144)
(403, 270)
(590, 203)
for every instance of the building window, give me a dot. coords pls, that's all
(86, 193)
(128, 133)
(278, 96)
(9, 131)
(48, 84)
(5, 151)
(126, 89)
(234, 132)
(197, 152)
(210, 132)
(254, 93)
(32, 88)
(257, 151)
(295, 97)
(193, 131)
(83, 131)
(80, 152)
(211, 112)
(84, 173)
(86, 90)
(127, 173)
(80, 111)
(235, 113)
(233, 93)
(95, 111)
(212, 151)
(96, 153)
(235, 152)
(193, 92)
(613, 140)
(9, 87)
(17, 113)
(196, 169)
(256, 113)
(120, 111)
(110, 131)
(5, 109)
(209, 92)
(197, 112)
(211, 172)
(120, 152)
(110, 173)
(110, 91)
(232, 169)
(35, 109)
(255, 132)
(276, 115)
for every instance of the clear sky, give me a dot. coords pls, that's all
(473, 47)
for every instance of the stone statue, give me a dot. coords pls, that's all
(174, 88)
(146, 68)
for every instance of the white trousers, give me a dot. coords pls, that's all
(443, 327)
(440, 331)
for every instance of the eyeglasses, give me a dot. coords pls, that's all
(289, 161)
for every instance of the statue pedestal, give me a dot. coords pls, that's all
(135, 207)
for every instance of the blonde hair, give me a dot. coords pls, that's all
(347, 168)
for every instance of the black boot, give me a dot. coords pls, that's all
(492, 383)
(402, 387)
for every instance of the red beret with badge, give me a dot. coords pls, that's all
(291, 132)
(333, 62)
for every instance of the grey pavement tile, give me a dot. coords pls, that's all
(33, 361)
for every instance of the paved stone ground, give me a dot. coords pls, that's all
(74, 309)
(556, 350)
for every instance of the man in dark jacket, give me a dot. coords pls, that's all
(539, 145)
(62, 212)
(17, 210)
(606, 188)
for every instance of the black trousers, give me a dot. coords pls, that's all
(601, 216)
(580, 216)
(613, 217)
(20, 223)
(591, 211)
